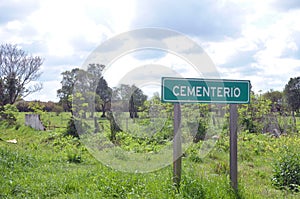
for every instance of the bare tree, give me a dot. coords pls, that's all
(17, 70)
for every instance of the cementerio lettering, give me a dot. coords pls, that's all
(206, 91)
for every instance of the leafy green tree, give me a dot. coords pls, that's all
(65, 92)
(105, 94)
(17, 70)
(292, 93)
(94, 88)
(276, 98)
(82, 91)
(95, 70)
(131, 97)
(136, 102)
(251, 116)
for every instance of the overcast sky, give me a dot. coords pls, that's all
(246, 39)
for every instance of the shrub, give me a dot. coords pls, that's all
(287, 170)
(71, 128)
(252, 116)
(74, 157)
(8, 114)
(201, 131)
(192, 188)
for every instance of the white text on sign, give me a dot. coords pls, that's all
(201, 91)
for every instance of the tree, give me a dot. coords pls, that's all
(251, 116)
(276, 97)
(85, 82)
(131, 97)
(292, 93)
(66, 90)
(136, 101)
(105, 93)
(17, 70)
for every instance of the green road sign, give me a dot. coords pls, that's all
(205, 90)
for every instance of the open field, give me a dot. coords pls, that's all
(45, 164)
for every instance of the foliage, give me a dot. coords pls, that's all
(67, 170)
(153, 107)
(292, 93)
(92, 91)
(129, 98)
(71, 128)
(36, 107)
(104, 93)
(203, 124)
(192, 188)
(251, 116)
(273, 96)
(287, 169)
(277, 100)
(114, 127)
(12, 159)
(8, 114)
(83, 104)
(68, 82)
(17, 70)
(24, 106)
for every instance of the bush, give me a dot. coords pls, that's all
(8, 114)
(71, 128)
(74, 157)
(192, 188)
(252, 116)
(287, 170)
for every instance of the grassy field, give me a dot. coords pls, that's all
(46, 164)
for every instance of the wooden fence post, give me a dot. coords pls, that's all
(177, 150)
(233, 146)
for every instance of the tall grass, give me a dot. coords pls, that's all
(46, 164)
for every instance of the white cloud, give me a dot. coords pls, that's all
(48, 93)
(146, 74)
(268, 41)
(64, 29)
(250, 39)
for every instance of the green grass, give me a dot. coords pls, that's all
(44, 164)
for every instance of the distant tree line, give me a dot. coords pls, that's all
(91, 85)
(26, 106)
(87, 90)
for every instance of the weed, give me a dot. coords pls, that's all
(287, 170)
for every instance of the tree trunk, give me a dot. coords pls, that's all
(97, 128)
(114, 127)
(103, 110)
(92, 114)
(135, 113)
(132, 109)
(294, 118)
